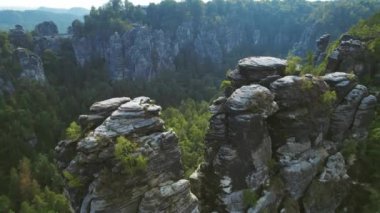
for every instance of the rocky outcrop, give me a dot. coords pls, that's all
(31, 65)
(46, 28)
(320, 52)
(18, 37)
(143, 52)
(273, 141)
(350, 57)
(47, 38)
(125, 162)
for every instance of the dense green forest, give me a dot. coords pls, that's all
(34, 117)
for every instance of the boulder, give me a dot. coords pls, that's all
(253, 99)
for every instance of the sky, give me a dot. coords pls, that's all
(32, 4)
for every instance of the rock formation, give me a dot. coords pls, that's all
(18, 37)
(322, 44)
(31, 65)
(46, 28)
(274, 141)
(143, 52)
(47, 38)
(350, 57)
(125, 161)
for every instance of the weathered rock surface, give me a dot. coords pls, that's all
(275, 147)
(31, 65)
(143, 175)
(349, 57)
(320, 52)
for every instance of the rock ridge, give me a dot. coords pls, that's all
(274, 141)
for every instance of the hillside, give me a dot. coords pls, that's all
(30, 18)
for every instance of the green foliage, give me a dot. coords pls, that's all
(249, 198)
(5, 204)
(190, 122)
(293, 65)
(125, 152)
(73, 131)
(328, 97)
(298, 66)
(26, 194)
(350, 148)
(225, 84)
(72, 180)
(46, 173)
(306, 84)
(46, 201)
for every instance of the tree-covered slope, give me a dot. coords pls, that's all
(30, 18)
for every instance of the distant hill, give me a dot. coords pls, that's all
(78, 11)
(29, 18)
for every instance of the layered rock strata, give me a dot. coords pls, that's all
(125, 161)
(274, 141)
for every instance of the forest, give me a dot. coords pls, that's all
(35, 116)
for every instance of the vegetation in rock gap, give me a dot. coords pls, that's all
(328, 97)
(250, 198)
(190, 122)
(73, 131)
(125, 152)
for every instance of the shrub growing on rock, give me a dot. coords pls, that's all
(125, 152)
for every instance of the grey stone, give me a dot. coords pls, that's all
(106, 184)
(31, 65)
(343, 115)
(108, 105)
(252, 98)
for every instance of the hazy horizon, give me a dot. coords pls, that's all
(67, 4)
(58, 4)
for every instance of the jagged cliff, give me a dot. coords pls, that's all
(138, 172)
(142, 52)
(216, 32)
(274, 141)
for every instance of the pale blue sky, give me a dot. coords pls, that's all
(61, 3)
(32, 4)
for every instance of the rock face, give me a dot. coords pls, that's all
(143, 52)
(31, 65)
(125, 162)
(320, 52)
(274, 141)
(349, 57)
(47, 38)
